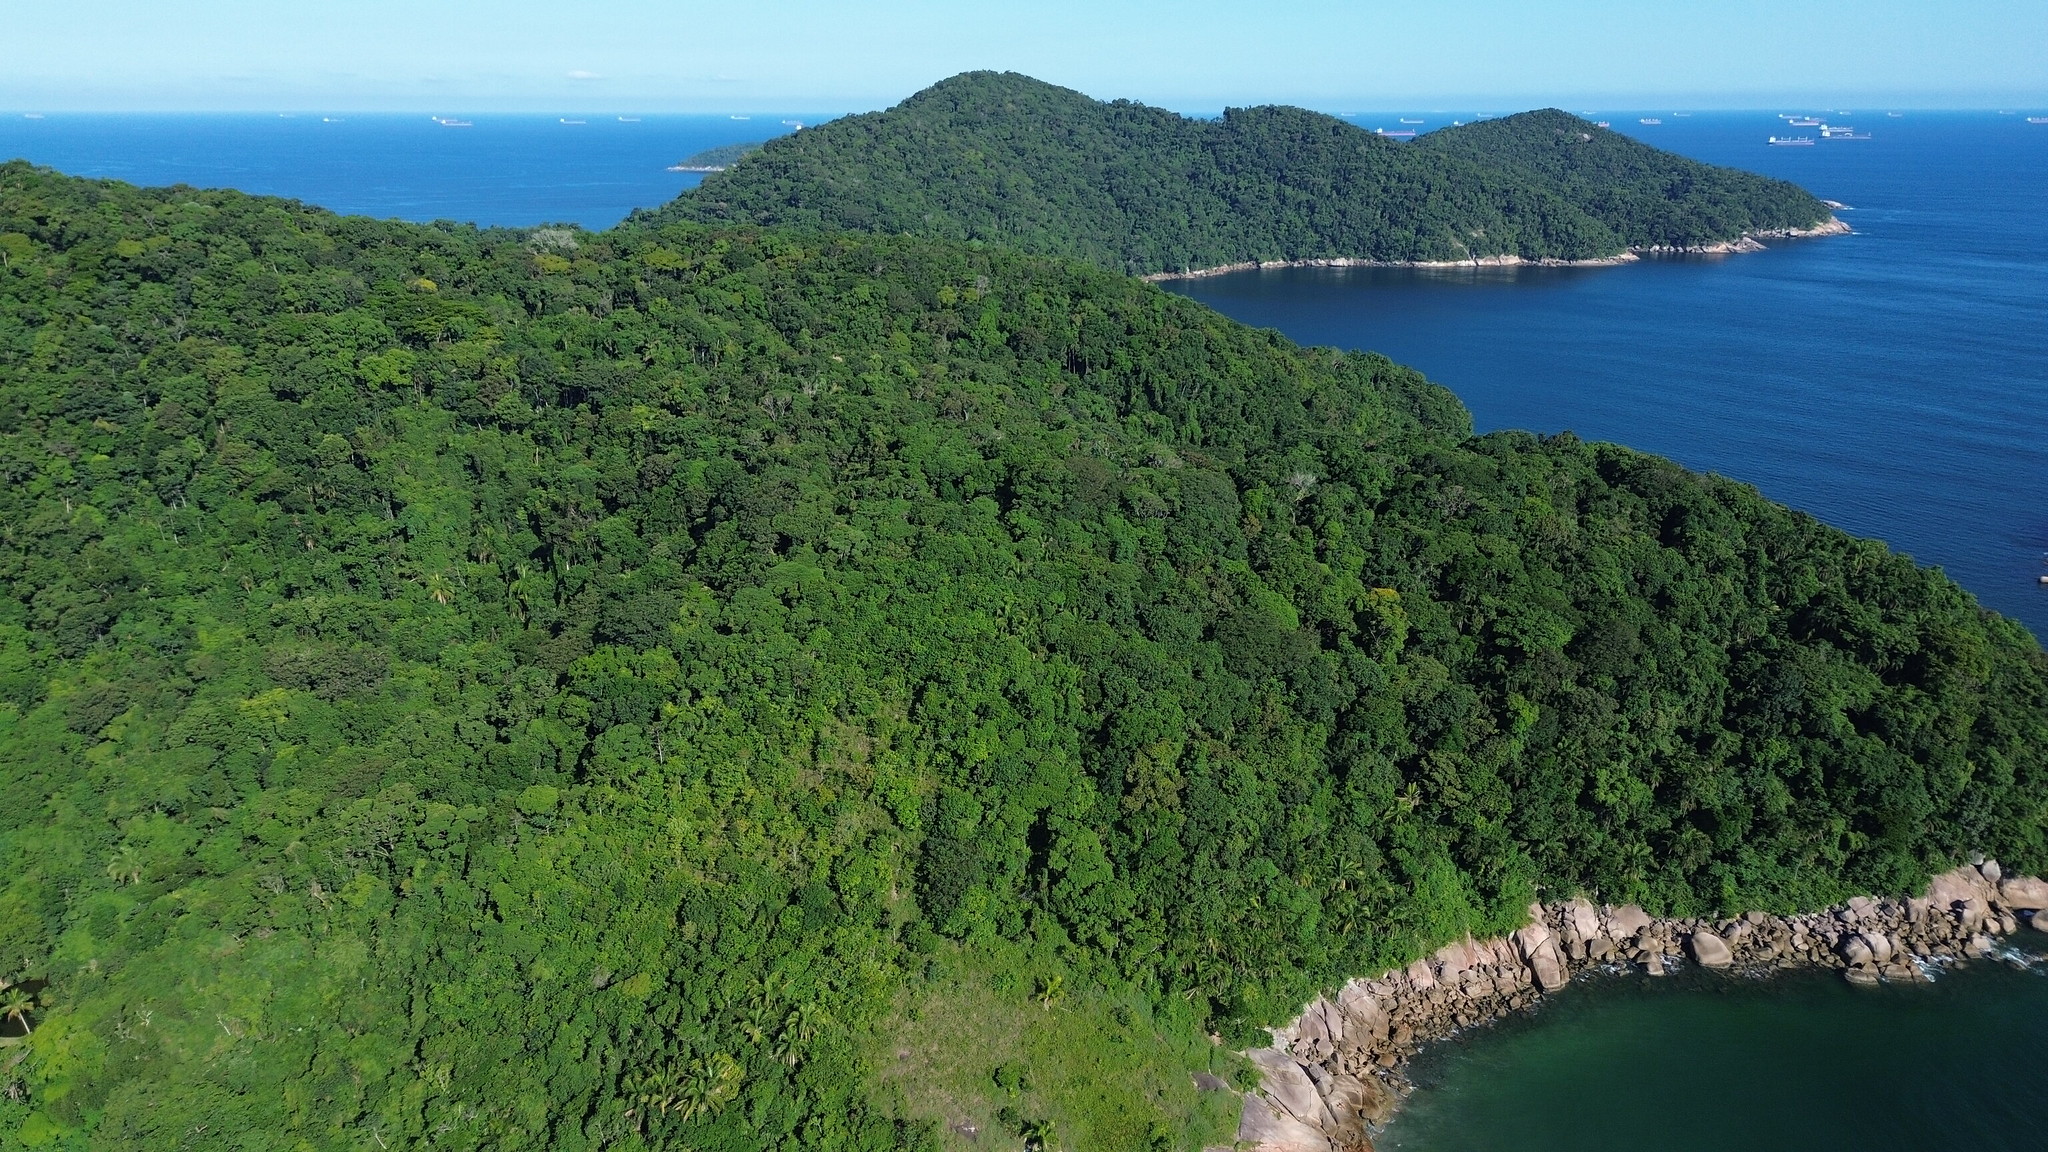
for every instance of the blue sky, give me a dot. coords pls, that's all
(1194, 55)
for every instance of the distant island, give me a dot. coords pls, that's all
(1004, 158)
(716, 159)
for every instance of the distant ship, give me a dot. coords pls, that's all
(1601, 124)
(2030, 119)
(1842, 133)
(452, 122)
(1792, 141)
(1405, 120)
(1802, 121)
(31, 115)
(332, 120)
(1895, 115)
(796, 124)
(1384, 132)
(566, 120)
(629, 119)
(1681, 115)
(1649, 120)
(743, 117)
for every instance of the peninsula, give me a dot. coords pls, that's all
(1005, 159)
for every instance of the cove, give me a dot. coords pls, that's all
(1706, 1061)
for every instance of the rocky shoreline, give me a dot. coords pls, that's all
(1747, 242)
(1333, 1077)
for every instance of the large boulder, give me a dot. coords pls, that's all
(1709, 950)
(1581, 922)
(1880, 947)
(1267, 1129)
(1420, 975)
(1452, 960)
(1353, 1105)
(1363, 1016)
(1285, 1082)
(2024, 892)
(1320, 1030)
(1539, 952)
(1958, 884)
(1627, 920)
(1855, 951)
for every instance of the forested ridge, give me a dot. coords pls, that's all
(541, 689)
(1006, 159)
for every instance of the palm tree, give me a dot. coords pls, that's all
(439, 588)
(15, 1005)
(712, 1083)
(126, 866)
(657, 1088)
(1039, 1134)
(1051, 990)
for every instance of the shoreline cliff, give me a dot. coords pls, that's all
(1747, 242)
(1332, 1077)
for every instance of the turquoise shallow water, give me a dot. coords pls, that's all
(1707, 1063)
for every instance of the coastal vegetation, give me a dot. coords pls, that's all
(693, 687)
(1005, 159)
(718, 159)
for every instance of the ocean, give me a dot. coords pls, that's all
(498, 170)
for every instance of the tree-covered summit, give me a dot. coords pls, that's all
(496, 689)
(1003, 158)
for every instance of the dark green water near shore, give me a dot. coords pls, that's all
(1709, 1062)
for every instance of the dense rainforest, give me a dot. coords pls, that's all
(497, 689)
(1006, 159)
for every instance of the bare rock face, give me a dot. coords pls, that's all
(1287, 1085)
(1352, 1106)
(2027, 893)
(1990, 871)
(2040, 922)
(1419, 974)
(1271, 1130)
(1710, 950)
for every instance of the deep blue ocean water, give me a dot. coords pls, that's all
(510, 170)
(1893, 382)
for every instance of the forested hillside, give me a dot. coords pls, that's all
(1649, 197)
(1007, 159)
(540, 689)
